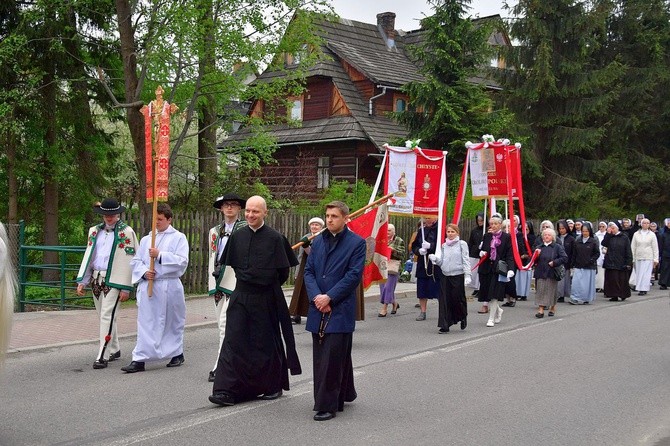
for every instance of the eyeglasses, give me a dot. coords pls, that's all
(230, 204)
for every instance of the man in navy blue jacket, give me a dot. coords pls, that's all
(332, 274)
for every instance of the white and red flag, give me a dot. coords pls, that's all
(373, 227)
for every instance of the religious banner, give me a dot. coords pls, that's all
(373, 227)
(415, 177)
(488, 175)
(157, 137)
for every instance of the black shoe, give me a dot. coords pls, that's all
(211, 377)
(115, 356)
(464, 323)
(381, 315)
(100, 364)
(614, 299)
(222, 399)
(176, 361)
(642, 293)
(417, 306)
(561, 299)
(271, 396)
(134, 366)
(539, 315)
(551, 314)
(443, 330)
(397, 307)
(507, 304)
(296, 319)
(522, 298)
(663, 287)
(324, 416)
(475, 292)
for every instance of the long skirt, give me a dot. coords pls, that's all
(583, 285)
(600, 278)
(545, 292)
(475, 276)
(453, 307)
(490, 288)
(387, 290)
(664, 275)
(643, 269)
(563, 286)
(616, 283)
(427, 287)
(523, 279)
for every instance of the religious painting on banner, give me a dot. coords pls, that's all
(414, 177)
(373, 227)
(488, 175)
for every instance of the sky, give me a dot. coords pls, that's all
(408, 12)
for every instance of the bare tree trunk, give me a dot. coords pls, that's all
(132, 94)
(207, 113)
(12, 183)
(48, 108)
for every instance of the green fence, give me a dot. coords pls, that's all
(63, 274)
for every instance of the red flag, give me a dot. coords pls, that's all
(373, 227)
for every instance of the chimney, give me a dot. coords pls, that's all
(386, 25)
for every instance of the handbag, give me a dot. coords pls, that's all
(502, 268)
(393, 267)
(559, 272)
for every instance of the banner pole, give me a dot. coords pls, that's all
(154, 214)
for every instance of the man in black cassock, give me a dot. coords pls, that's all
(252, 361)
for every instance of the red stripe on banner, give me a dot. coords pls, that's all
(377, 249)
(148, 154)
(163, 167)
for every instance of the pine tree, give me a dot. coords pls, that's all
(560, 91)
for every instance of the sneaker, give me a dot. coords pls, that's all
(421, 316)
(490, 323)
(498, 316)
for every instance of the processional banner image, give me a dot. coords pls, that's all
(488, 175)
(414, 176)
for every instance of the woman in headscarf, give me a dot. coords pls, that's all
(552, 255)
(600, 272)
(567, 240)
(644, 247)
(584, 257)
(617, 263)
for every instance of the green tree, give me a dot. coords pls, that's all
(636, 153)
(448, 108)
(563, 95)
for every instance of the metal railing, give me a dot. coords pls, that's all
(61, 270)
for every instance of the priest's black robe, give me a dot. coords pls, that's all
(252, 360)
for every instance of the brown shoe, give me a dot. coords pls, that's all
(484, 309)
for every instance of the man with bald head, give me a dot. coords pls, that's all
(253, 362)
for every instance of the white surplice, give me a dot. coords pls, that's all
(161, 317)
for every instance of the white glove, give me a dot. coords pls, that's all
(510, 274)
(423, 251)
(425, 245)
(432, 257)
(468, 280)
(482, 253)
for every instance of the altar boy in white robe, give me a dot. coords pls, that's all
(160, 317)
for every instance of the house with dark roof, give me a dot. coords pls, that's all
(342, 116)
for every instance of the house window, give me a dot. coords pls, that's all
(323, 172)
(400, 105)
(296, 109)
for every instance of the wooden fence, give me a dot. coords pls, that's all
(196, 225)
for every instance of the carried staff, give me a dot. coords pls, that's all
(157, 158)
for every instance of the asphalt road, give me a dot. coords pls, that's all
(592, 375)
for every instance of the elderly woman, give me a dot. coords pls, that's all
(455, 265)
(496, 270)
(552, 255)
(644, 247)
(584, 257)
(617, 263)
(387, 290)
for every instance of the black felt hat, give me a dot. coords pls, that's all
(109, 206)
(229, 197)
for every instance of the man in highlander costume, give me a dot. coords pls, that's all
(106, 267)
